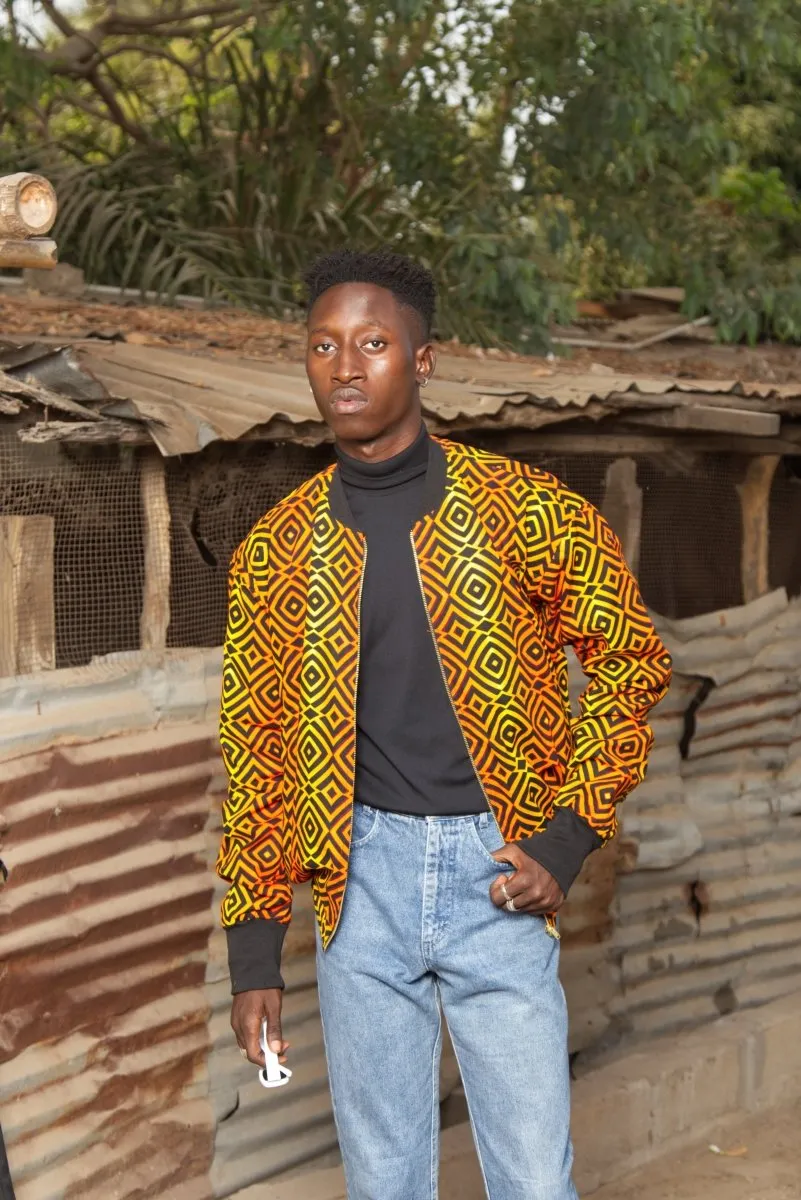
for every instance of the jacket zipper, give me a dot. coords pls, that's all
(355, 694)
(550, 918)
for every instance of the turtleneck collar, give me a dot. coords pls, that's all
(391, 472)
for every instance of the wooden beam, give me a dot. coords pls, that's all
(27, 607)
(680, 399)
(154, 619)
(755, 508)
(710, 419)
(97, 433)
(622, 507)
(617, 443)
(39, 253)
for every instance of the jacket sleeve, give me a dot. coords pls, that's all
(592, 603)
(257, 906)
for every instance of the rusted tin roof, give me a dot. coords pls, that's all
(183, 402)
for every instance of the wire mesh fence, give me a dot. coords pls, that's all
(689, 561)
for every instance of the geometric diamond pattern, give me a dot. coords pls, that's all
(514, 567)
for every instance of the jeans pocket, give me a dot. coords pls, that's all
(489, 838)
(365, 825)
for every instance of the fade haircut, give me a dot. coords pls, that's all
(410, 283)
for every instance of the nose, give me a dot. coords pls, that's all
(347, 366)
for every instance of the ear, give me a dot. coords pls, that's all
(425, 363)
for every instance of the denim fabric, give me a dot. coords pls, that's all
(418, 932)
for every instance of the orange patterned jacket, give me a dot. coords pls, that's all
(513, 567)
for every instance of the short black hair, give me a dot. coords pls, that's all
(410, 283)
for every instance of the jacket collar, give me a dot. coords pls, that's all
(434, 488)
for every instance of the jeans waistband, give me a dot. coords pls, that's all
(481, 819)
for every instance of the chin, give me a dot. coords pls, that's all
(357, 427)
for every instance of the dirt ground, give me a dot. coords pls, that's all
(770, 1170)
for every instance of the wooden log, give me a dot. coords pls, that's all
(28, 206)
(27, 607)
(622, 507)
(99, 433)
(154, 619)
(38, 253)
(755, 509)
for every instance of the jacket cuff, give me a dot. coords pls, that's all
(562, 846)
(254, 954)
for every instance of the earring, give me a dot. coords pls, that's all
(423, 382)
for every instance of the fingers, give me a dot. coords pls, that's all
(248, 1011)
(531, 887)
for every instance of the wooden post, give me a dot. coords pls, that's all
(755, 509)
(28, 206)
(155, 616)
(27, 608)
(622, 507)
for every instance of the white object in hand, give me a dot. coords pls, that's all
(273, 1073)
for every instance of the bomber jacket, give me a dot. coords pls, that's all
(513, 567)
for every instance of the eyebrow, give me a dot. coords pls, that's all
(364, 325)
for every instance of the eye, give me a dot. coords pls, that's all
(324, 347)
(376, 343)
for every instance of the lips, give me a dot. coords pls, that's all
(347, 400)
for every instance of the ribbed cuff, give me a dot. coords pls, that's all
(254, 954)
(562, 846)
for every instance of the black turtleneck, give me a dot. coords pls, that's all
(411, 755)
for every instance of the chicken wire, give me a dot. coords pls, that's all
(689, 556)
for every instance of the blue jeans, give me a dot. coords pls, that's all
(418, 932)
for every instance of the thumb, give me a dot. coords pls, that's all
(274, 1035)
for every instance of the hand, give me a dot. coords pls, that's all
(248, 1010)
(533, 889)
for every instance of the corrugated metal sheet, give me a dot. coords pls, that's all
(120, 1075)
(708, 921)
(104, 928)
(188, 401)
(184, 401)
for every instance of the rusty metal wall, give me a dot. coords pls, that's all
(119, 1074)
(104, 928)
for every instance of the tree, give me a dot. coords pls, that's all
(524, 149)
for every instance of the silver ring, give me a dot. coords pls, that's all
(510, 906)
(506, 895)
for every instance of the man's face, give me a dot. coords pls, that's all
(365, 359)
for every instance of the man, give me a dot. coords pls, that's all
(396, 728)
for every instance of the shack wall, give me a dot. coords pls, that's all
(118, 1063)
(104, 928)
(707, 914)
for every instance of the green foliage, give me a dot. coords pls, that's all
(528, 151)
